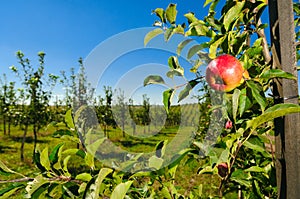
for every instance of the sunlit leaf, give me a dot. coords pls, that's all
(196, 65)
(35, 188)
(171, 13)
(4, 170)
(214, 46)
(153, 79)
(101, 176)
(84, 177)
(233, 13)
(167, 98)
(161, 14)
(193, 50)
(120, 191)
(277, 73)
(187, 89)
(45, 162)
(255, 169)
(10, 190)
(235, 102)
(69, 119)
(168, 33)
(181, 45)
(191, 17)
(150, 35)
(273, 112)
(155, 162)
(208, 2)
(89, 160)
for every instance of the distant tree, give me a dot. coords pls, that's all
(120, 110)
(132, 116)
(37, 112)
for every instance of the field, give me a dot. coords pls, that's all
(186, 178)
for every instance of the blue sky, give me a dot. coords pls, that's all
(68, 29)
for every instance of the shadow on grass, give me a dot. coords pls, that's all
(131, 143)
(5, 149)
(28, 139)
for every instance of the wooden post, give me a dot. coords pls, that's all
(287, 129)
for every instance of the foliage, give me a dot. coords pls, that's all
(235, 137)
(242, 146)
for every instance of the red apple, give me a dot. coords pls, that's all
(228, 124)
(222, 169)
(225, 73)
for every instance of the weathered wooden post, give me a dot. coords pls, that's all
(287, 129)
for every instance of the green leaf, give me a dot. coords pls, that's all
(224, 156)
(69, 119)
(55, 154)
(150, 35)
(155, 162)
(255, 169)
(273, 112)
(258, 94)
(4, 170)
(78, 152)
(153, 79)
(101, 176)
(175, 68)
(244, 102)
(254, 147)
(168, 33)
(86, 177)
(208, 2)
(161, 14)
(235, 102)
(191, 17)
(173, 63)
(277, 73)
(10, 190)
(187, 89)
(35, 188)
(120, 191)
(161, 148)
(181, 45)
(65, 165)
(193, 50)
(200, 28)
(233, 13)
(196, 65)
(241, 177)
(44, 158)
(92, 148)
(89, 160)
(167, 98)
(171, 13)
(214, 46)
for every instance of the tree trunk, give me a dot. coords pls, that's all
(8, 126)
(35, 132)
(23, 142)
(4, 124)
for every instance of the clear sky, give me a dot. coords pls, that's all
(68, 29)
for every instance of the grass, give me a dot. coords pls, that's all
(186, 178)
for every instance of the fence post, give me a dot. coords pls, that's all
(287, 129)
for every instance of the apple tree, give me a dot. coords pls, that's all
(243, 156)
